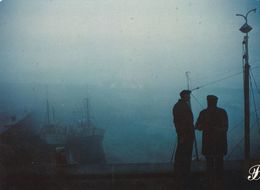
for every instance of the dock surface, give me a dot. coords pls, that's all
(152, 176)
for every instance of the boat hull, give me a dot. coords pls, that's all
(86, 150)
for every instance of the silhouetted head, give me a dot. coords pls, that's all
(212, 100)
(185, 95)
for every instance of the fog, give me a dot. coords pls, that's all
(129, 58)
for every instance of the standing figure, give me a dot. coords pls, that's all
(183, 121)
(213, 122)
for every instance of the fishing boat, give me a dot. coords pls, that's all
(80, 143)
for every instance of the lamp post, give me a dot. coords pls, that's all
(246, 29)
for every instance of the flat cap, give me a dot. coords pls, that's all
(212, 97)
(184, 92)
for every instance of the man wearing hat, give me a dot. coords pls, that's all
(213, 122)
(183, 121)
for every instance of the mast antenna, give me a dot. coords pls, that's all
(195, 139)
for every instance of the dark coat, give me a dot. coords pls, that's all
(214, 124)
(183, 120)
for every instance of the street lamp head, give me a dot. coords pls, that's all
(240, 15)
(245, 28)
(250, 11)
(254, 10)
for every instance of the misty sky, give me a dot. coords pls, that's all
(123, 43)
(139, 50)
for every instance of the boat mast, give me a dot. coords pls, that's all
(88, 116)
(87, 112)
(47, 106)
(48, 111)
(53, 113)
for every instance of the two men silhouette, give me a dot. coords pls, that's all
(213, 122)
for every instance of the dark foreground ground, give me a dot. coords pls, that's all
(120, 177)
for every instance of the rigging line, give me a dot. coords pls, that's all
(253, 95)
(216, 81)
(233, 150)
(255, 67)
(219, 80)
(233, 141)
(197, 100)
(251, 73)
(232, 135)
(235, 126)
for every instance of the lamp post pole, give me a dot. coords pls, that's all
(246, 29)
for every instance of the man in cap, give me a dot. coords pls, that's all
(183, 121)
(213, 122)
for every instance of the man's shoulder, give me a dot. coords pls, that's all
(180, 105)
(177, 104)
(221, 110)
